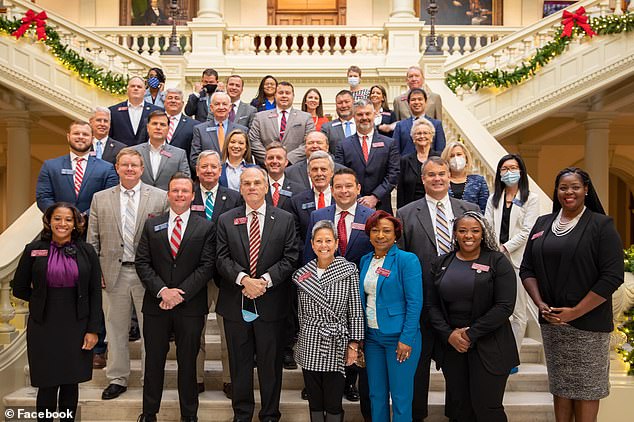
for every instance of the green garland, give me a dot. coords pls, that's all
(627, 349)
(602, 25)
(88, 71)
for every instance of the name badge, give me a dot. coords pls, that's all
(480, 267)
(197, 208)
(305, 276)
(358, 226)
(151, 215)
(240, 220)
(39, 252)
(383, 272)
(378, 145)
(160, 227)
(68, 171)
(122, 109)
(286, 193)
(336, 124)
(518, 202)
(385, 113)
(536, 235)
(165, 153)
(92, 153)
(308, 205)
(212, 129)
(273, 116)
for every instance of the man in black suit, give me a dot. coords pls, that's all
(210, 201)
(373, 157)
(339, 129)
(298, 172)
(240, 113)
(420, 237)
(128, 117)
(198, 103)
(257, 253)
(280, 189)
(104, 147)
(174, 260)
(181, 127)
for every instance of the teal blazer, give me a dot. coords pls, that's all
(399, 294)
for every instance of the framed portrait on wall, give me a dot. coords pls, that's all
(155, 12)
(463, 12)
(554, 6)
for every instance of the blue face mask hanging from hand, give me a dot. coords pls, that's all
(249, 316)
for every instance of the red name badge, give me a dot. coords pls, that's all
(240, 220)
(480, 267)
(165, 153)
(39, 252)
(358, 226)
(383, 272)
(198, 208)
(536, 235)
(305, 276)
(92, 153)
(378, 144)
(122, 109)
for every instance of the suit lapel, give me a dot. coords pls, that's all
(356, 145)
(192, 225)
(126, 116)
(144, 114)
(573, 241)
(387, 265)
(375, 150)
(212, 135)
(116, 209)
(142, 211)
(145, 152)
(70, 178)
(242, 231)
(89, 170)
(167, 149)
(354, 233)
(269, 222)
(275, 128)
(178, 128)
(424, 217)
(539, 257)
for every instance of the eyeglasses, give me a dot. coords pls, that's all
(507, 169)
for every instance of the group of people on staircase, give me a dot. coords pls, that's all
(288, 232)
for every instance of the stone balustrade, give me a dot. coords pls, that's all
(148, 41)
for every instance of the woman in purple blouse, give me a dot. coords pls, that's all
(59, 275)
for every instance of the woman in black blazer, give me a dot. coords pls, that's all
(384, 118)
(572, 265)
(469, 306)
(59, 275)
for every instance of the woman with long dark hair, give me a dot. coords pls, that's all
(265, 100)
(312, 104)
(572, 265)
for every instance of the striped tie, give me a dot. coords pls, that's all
(276, 194)
(129, 223)
(170, 131)
(175, 241)
(443, 235)
(283, 125)
(254, 243)
(79, 174)
(364, 148)
(209, 206)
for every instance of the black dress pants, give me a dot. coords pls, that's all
(47, 399)
(156, 334)
(325, 391)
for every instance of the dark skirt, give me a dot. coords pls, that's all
(54, 346)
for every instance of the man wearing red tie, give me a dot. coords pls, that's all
(280, 188)
(175, 259)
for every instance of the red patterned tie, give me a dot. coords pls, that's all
(321, 202)
(79, 174)
(283, 125)
(175, 241)
(364, 148)
(276, 193)
(341, 232)
(254, 243)
(170, 131)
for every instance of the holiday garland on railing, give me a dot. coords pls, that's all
(88, 71)
(576, 24)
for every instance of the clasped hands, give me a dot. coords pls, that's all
(170, 298)
(460, 340)
(253, 287)
(557, 316)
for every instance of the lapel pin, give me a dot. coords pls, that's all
(224, 198)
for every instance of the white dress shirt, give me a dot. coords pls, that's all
(327, 197)
(135, 113)
(170, 228)
(214, 193)
(261, 215)
(279, 117)
(155, 158)
(369, 141)
(103, 141)
(349, 218)
(431, 204)
(280, 182)
(353, 126)
(73, 161)
(123, 202)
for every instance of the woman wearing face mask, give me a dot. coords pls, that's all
(155, 83)
(468, 187)
(512, 211)
(354, 80)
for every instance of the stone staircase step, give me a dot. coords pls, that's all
(215, 407)
(212, 324)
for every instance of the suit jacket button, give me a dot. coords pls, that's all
(119, 260)
(174, 266)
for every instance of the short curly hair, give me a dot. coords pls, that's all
(379, 215)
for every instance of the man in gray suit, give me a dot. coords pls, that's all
(162, 159)
(211, 134)
(284, 124)
(339, 129)
(117, 216)
(422, 236)
(416, 79)
(298, 172)
(241, 113)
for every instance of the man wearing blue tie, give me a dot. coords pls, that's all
(104, 147)
(343, 127)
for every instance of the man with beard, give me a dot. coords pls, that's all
(343, 127)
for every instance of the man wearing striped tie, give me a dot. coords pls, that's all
(427, 232)
(175, 259)
(116, 221)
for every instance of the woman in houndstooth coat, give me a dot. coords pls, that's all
(330, 323)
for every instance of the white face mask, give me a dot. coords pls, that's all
(458, 162)
(353, 80)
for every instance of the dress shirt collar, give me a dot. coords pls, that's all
(152, 149)
(177, 115)
(139, 107)
(214, 192)
(445, 201)
(73, 156)
(369, 135)
(136, 188)
(102, 140)
(184, 217)
(236, 104)
(352, 210)
(242, 164)
(279, 111)
(280, 181)
(224, 123)
(260, 211)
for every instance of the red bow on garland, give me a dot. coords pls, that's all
(28, 20)
(579, 18)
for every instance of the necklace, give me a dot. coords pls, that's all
(560, 228)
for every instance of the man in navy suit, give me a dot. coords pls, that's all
(280, 188)
(349, 217)
(181, 127)
(417, 100)
(129, 117)
(74, 177)
(339, 129)
(373, 157)
(211, 135)
(103, 145)
(198, 103)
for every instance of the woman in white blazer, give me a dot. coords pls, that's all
(512, 211)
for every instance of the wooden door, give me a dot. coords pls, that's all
(306, 12)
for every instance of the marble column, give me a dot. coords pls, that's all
(597, 156)
(210, 10)
(402, 10)
(530, 155)
(18, 177)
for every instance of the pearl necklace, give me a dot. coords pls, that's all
(561, 229)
